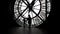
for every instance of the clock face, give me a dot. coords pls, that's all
(31, 13)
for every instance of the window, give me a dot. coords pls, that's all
(31, 13)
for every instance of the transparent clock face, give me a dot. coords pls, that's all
(31, 13)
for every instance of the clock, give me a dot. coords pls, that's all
(31, 13)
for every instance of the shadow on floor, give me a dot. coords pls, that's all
(21, 30)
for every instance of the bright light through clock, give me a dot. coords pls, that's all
(37, 15)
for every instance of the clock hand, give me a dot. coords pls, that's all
(33, 2)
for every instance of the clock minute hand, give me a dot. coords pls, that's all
(33, 2)
(27, 2)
